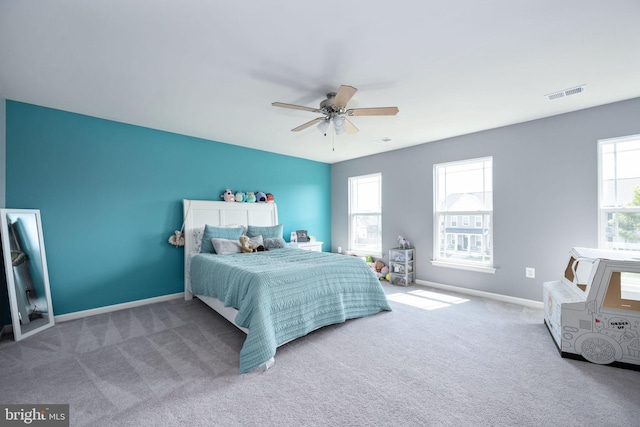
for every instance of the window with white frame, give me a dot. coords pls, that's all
(619, 193)
(464, 189)
(365, 214)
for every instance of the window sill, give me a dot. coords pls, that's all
(373, 255)
(477, 268)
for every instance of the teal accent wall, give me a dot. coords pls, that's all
(110, 195)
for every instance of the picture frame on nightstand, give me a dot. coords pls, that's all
(302, 236)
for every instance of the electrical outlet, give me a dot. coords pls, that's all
(530, 272)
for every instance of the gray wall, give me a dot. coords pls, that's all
(3, 151)
(545, 195)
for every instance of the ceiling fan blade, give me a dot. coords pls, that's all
(349, 127)
(295, 107)
(343, 95)
(379, 111)
(306, 125)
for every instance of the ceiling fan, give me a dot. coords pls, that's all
(335, 109)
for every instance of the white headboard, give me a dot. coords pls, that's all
(198, 213)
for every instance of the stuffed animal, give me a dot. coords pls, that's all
(240, 197)
(177, 239)
(251, 197)
(245, 246)
(379, 268)
(270, 198)
(228, 196)
(261, 197)
(384, 273)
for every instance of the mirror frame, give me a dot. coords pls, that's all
(11, 285)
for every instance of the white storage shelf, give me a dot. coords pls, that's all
(401, 266)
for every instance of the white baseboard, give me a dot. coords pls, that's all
(115, 307)
(503, 298)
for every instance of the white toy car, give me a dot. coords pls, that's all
(593, 313)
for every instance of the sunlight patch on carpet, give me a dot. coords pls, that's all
(425, 299)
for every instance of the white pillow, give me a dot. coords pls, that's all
(226, 246)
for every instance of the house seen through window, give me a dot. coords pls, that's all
(463, 213)
(619, 193)
(365, 214)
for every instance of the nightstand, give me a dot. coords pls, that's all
(307, 246)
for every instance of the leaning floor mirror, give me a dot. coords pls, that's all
(25, 265)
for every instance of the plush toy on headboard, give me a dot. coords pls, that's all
(261, 197)
(251, 197)
(240, 197)
(228, 196)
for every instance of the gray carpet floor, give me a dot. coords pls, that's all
(438, 359)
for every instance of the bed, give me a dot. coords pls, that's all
(277, 295)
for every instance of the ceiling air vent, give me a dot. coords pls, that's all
(567, 92)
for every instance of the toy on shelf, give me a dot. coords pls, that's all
(251, 197)
(261, 197)
(240, 197)
(228, 196)
(270, 198)
(403, 243)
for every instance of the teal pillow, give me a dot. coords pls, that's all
(211, 232)
(267, 232)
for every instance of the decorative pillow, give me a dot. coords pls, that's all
(211, 232)
(226, 246)
(257, 240)
(274, 243)
(267, 232)
(244, 229)
(197, 236)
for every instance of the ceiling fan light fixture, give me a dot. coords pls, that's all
(323, 126)
(338, 125)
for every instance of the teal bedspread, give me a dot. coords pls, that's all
(286, 293)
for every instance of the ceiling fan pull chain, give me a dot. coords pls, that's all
(333, 138)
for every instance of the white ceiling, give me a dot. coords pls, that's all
(211, 69)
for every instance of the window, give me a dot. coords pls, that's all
(464, 189)
(619, 193)
(365, 214)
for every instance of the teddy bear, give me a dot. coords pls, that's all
(380, 269)
(245, 245)
(251, 197)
